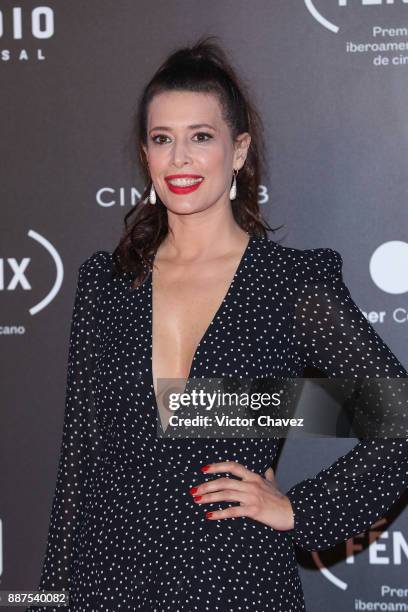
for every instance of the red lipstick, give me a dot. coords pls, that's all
(181, 190)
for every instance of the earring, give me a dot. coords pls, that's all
(152, 195)
(233, 190)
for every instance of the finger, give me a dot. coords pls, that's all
(229, 496)
(233, 467)
(221, 484)
(232, 512)
(270, 475)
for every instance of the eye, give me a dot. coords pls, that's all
(207, 137)
(158, 136)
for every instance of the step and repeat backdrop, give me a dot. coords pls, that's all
(330, 79)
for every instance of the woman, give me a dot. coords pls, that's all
(130, 527)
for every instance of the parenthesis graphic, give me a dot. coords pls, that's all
(322, 20)
(60, 272)
(327, 573)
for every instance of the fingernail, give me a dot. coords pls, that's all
(205, 468)
(197, 497)
(208, 515)
(193, 490)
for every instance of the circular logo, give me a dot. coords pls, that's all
(389, 265)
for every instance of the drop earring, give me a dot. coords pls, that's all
(152, 195)
(233, 190)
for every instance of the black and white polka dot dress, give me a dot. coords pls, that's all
(125, 533)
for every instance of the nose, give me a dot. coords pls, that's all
(181, 154)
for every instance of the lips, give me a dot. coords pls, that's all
(176, 176)
(183, 190)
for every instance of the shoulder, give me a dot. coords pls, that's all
(99, 261)
(305, 264)
(319, 264)
(95, 271)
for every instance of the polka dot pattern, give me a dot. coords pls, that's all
(333, 335)
(124, 532)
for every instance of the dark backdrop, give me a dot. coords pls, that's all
(330, 80)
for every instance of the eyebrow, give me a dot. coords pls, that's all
(190, 127)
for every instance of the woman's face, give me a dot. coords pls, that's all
(178, 143)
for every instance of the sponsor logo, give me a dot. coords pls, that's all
(13, 276)
(109, 196)
(22, 28)
(329, 25)
(383, 45)
(388, 270)
(378, 546)
(106, 197)
(389, 265)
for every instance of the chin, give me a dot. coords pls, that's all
(186, 207)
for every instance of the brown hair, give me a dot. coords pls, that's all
(202, 67)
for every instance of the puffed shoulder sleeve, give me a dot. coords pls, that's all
(81, 437)
(332, 334)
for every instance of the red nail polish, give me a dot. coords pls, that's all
(205, 468)
(193, 490)
(208, 515)
(197, 497)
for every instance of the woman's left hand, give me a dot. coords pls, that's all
(259, 496)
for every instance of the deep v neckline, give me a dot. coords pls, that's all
(216, 318)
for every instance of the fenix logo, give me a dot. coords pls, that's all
(384, 547)
(329, 25)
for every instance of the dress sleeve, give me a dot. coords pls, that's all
(332, 334)
(82, 439)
